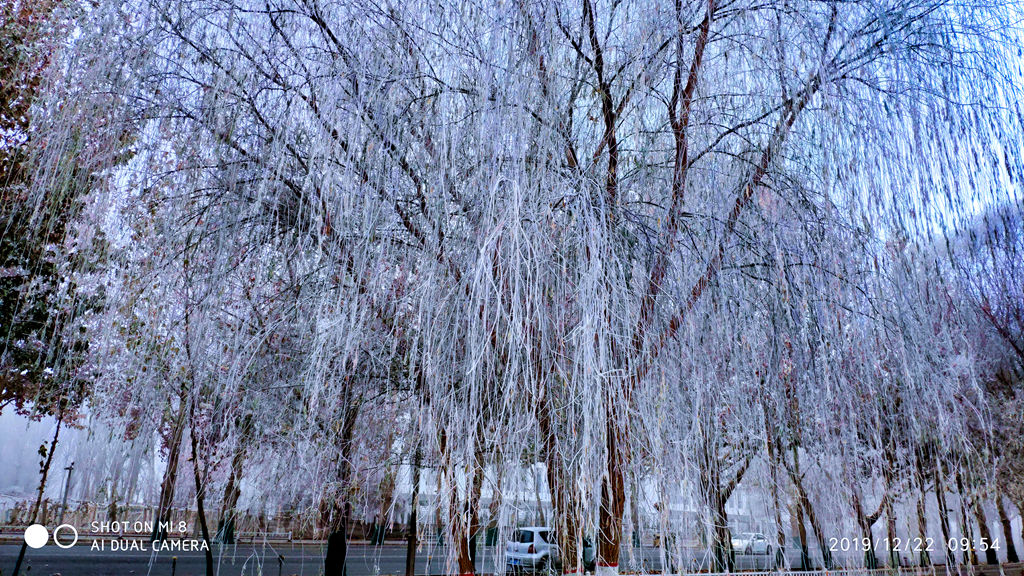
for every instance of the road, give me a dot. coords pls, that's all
(252, 560)
(241, 560)
(304, 560)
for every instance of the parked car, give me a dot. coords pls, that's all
(751, 543)
(535, 548)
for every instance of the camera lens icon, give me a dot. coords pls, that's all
(65, 528)
(36, 536)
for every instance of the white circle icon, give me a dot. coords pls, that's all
(62, 527)
(36, 536)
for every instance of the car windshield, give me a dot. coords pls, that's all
(523, 536)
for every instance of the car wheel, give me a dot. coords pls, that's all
(542, 568)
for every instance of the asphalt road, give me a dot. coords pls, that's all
(241, 560)
(252, 560)
(306, 560)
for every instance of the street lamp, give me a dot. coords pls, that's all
(64, 498)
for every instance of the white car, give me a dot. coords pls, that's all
(535, 548)
(751, 543)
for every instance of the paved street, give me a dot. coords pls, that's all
(252, 560)
(307, 560)
(243, 560)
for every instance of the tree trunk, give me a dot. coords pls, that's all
(473, 504)
(940, 497)
(200, 493)
(812, 517)
(890, 532)
(969, 556)
(924, 558)
(870, 560)
(1007, 526)
(773, 470)
(460, 509)
(1020, 511)
(710, 485)
(232, 491)
(44, 473)
(341, 512)
(805, 556)
(613, 494)
(163, 510)
(984, 534)
(410, 550)
(564, 499)
(723, 538)
(387, 494)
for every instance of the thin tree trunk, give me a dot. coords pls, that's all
(773, 469)
(1020, 510)
(200, 493)
(812, 517)
(473, 501)
(940, 497)
(410, 550)
(163, 511)
(969, 556)
(44, 473)
(924, 558)
(337, 540)
(564, 499)
(232, 491)
(890, 532)
(805, 556)
(870, 560)
(1007, 526)
(387, 494)
(797, 478)
(984, 534)
(613, 494)
(710, 485)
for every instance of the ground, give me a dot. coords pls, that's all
(307, 560)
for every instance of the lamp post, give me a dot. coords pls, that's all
(64, 498)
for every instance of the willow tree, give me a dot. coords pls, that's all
(582, 216)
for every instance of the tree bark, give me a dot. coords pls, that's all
(462, 511)
(613, 495)
(386, 489)
(984, 534)
(969, 556)
(200, 494)
(924, 558)
(564, 500)
(473, 503)
(940, 497)
(337, 541)
(772, 449)
(163, 510)
(411, 543)
(805, 557)
(1007, 526)
(812, 517)
(870, 560)
(44, 473)
(232, 491)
